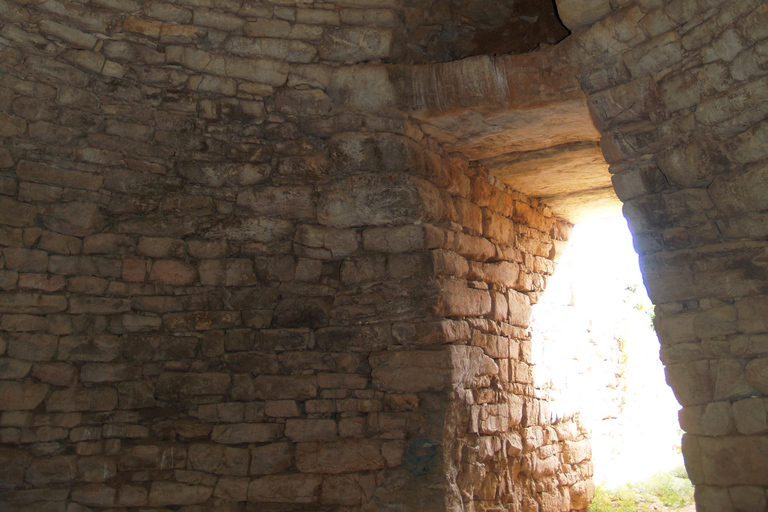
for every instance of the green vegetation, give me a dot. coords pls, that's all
(671, 489)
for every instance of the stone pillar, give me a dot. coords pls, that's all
(678, 91)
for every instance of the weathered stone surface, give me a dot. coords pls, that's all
(356, 44)
(170, 493)
(243, 433)
(285, 489)
(750, 416)
(734, 460)
(31, 303)
(340, 457)
(54, 470)
(179, 385)
(81, 399)
(285, 387)
(219, 460)
(373, 200)
(457, 299)
(303, 431)
(21, 395)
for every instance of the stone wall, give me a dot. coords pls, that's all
(678, 90)
(237, 276)
(226, 288)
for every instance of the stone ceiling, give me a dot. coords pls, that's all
(521, 116)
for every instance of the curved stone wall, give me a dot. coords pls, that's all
(237, 275)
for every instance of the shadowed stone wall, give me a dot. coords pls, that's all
(237, 276)
(226, 287)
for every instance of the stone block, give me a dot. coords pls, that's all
(136, 394)
(282, 202)
(56, 374)
(32, 347)
(31, 303)
(356, 44)
(202, 320)
(42, 282)
(364, 152)
(694, 164)
(271, 458)
(268, 28)
(284, 50)
(132, 496)
(43, 472)
(25, 260)
(82, 399)
(172, 493)
(101, 348)
(378, 199)
(21, 396)
(712, 499)
(12, 369)
(458, 299)
(107, 243)
(737, 193)
(223, 174)
(285, 387)
(754, 25)
(347, 456)
(731, 380)
(717, 419)
(757, 374)
(747, 498)
(244, 433)
(731, 461)
(686, 89)
(11, 126)
(656, 55)
(217, 19)
(285, 489)
(106, 372)
(173, 272)
(155, 247)
(303, 431)
(751, 416)
(575, 14)
(691, 382)
(219, 460)
(95, 469)
(74, 218)
(181, 385)
(13, 463)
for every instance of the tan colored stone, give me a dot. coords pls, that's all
(21, 395)
(82, 399)
(285, 489)
(219, 460)
(340, 457)
(171, 493)
(243, 433)
(457, 299)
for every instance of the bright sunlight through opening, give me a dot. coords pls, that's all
(596, 353)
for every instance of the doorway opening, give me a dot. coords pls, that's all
(597, 354)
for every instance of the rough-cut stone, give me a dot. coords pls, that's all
(21, 395)
(339, 457)
(170, 493)
(284, 489)
(372, 200)
(219, 460)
